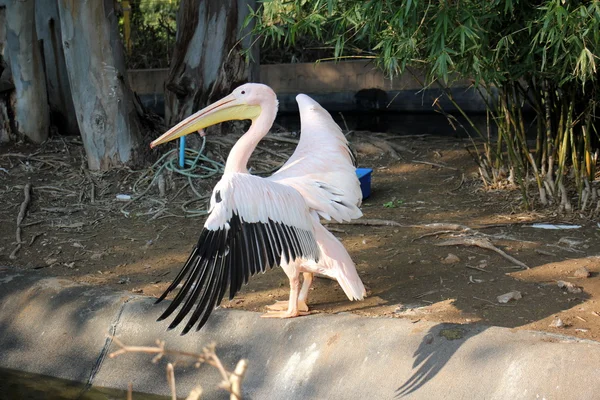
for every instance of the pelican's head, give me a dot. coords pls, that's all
(245, 102)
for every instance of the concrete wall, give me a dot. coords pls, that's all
(336, 86)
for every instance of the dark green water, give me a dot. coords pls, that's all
(18, 385)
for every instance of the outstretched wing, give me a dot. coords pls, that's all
(254, 224)
(322, 167)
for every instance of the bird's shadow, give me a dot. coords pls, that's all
(436, 349)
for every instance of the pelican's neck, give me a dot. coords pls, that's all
(237, 161)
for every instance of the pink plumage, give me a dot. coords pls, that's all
(257, 223)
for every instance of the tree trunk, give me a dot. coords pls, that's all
(62, 110)
(7, 89)
(207, 62)
(106, 109)
(24, 56)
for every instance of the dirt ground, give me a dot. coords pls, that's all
(76, 228)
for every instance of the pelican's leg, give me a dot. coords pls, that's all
(306, 284)
(302, 298)
(292, 271)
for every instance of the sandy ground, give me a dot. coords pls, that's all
(71, 230)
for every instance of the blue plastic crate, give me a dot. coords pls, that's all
(364, 176)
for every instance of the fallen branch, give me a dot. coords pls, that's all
(484, 244)
(442, 226)
(20, 217)
(433, 234)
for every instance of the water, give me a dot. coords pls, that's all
(396, 123)
(19, 385)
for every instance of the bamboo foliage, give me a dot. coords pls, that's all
(542, 56)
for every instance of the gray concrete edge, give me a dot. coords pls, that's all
(319, 356)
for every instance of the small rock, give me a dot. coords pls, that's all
(50, 261)
(569, 287)
(123, 197)
(428, 339)
(124, 280)
(557, 323)
(451, 259)
(137, 290)
(582, 272)
(506, 297)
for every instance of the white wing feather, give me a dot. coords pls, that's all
(255, 199)
(321, 168)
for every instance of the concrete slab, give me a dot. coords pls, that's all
(52, 326)
(316, 357)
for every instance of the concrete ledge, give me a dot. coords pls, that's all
(53, 327)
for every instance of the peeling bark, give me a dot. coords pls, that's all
(106, 109)
(207, 62)
(31, 112)
(62, 110)
(7, 124)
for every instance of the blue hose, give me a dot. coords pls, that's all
(182, 152)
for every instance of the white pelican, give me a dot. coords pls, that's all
(257, 223)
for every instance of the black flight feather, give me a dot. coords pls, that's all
(226, 258)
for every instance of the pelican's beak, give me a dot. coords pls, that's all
(226, 109)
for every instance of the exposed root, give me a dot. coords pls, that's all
(484, 243)
(20, 217)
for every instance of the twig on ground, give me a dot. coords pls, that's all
(492, 303)
(384, 146)
(54, 188)
(280, 139)
(426, 294)
(35, 236)
(370, 222)
(434, 164)
(478, 269)
(273, 153)
(345, 124)
(443, 226)
(32, 223)
(64, 210)
(20, 217)
(484, 244)
(462, 181)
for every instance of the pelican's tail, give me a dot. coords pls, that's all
(335, 262)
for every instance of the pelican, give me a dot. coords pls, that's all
(256, 223)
